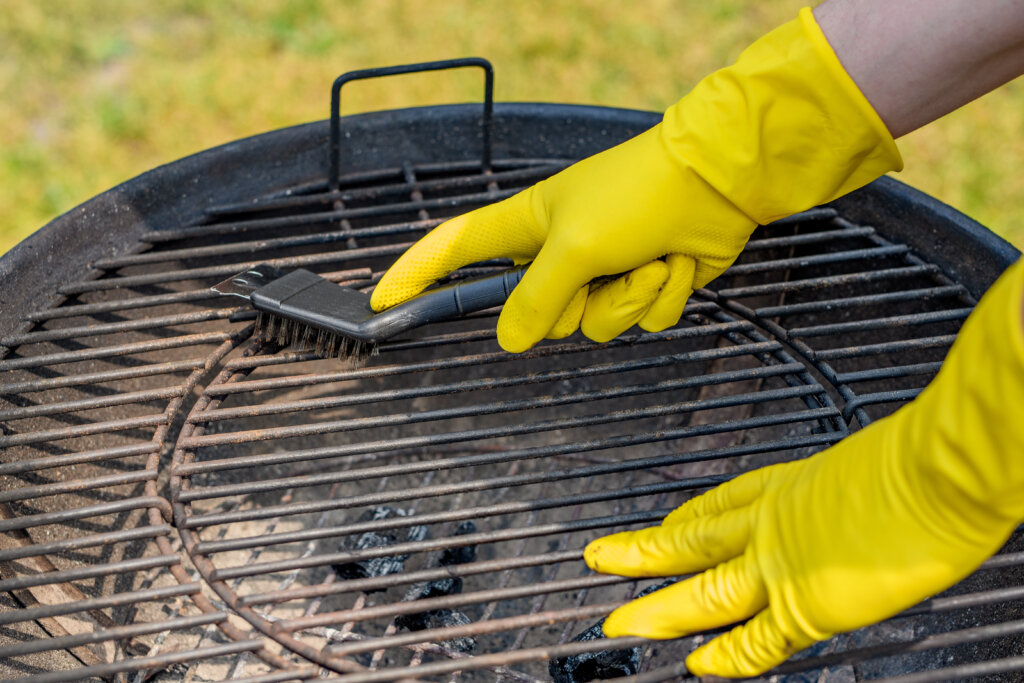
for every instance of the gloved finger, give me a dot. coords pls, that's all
(669, 550)
(620, 304)
(747, 650)
(569, 321)
(736, 493)
(668, 306)
(506, 229)
(709, 268)
(537, 302)
(722, 595)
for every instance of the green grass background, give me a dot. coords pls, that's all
(97, 91)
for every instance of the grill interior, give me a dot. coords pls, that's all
(183, 502)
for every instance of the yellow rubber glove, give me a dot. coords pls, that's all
(899, 511)
(781, 130)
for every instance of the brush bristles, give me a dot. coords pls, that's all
(323, 343)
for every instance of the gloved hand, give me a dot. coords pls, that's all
(890, 515)
(781, 130)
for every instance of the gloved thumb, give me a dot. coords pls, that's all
(506, 229)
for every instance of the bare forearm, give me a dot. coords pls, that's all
(917, 60)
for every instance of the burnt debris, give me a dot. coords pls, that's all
(438, 618)
(590, 666)
(452, 585)
(463, 554)
(378, 566)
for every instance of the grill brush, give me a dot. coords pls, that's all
(334, 321)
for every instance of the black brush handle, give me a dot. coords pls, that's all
(449, 301)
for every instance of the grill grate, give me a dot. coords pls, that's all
(181, 502)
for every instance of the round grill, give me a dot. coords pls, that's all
(183, 502)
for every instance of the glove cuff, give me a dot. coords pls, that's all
(783, 129)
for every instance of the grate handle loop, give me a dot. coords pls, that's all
(363, 74)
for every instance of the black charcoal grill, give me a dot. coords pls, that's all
(181, 502)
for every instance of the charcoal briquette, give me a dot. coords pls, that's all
(451, 585)
(378, 566)
(590, 666)
(440, 618)
(464, 554)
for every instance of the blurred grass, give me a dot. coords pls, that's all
(98, 91)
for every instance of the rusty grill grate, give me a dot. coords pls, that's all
(182, 502)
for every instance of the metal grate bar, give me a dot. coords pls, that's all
(63, 516)
(223, 270)
(84, 542)
(115, 600)
(76, 485)
(527, 175)
(116, 633)
(858, 402)
(897, 322)
(804, 238)
(459, 203)
(928, 369)
(479, 359)
(812, 215)
(83, 430)
(89, 572)
(451, 601)
(49, 359)
(190, 296)
(91, 378)
(68, 459)
(816, 283)
(873, 253)
(976, 599)
(133, 397)
(942, 341)
(121, 305)
(861, 301)
(255, 246)
(87, 331)
(492, 626)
